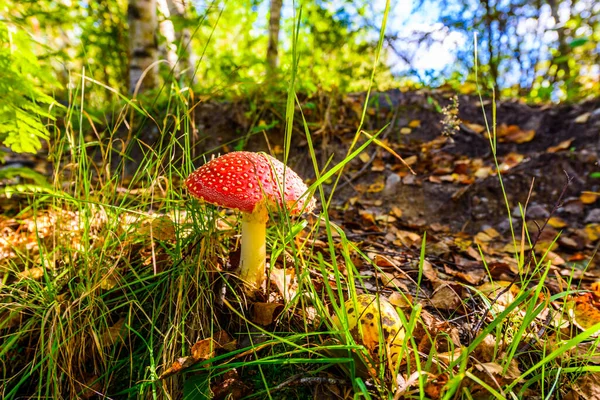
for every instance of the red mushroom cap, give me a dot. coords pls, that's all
(243, 180)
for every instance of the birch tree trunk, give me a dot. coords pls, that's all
(179, 51)
(274, 25)
(167, 29)
(143, 49)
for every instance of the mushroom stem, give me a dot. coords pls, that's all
(254, 248)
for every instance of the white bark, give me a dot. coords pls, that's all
(169, 50)
(178, 51)
(143, 69)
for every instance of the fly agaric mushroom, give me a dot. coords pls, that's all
(251, 183)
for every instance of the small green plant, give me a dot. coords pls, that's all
(24, 104)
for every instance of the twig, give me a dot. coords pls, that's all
(300, 379)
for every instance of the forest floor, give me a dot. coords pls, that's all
(548, 158)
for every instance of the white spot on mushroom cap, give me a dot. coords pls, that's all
(240, 179)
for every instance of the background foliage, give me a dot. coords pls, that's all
(537, 51)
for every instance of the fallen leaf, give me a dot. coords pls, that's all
(396, 211)
(514, 134)
(113, 334)
(497, 290)
(585, 387)
(415, 123)
(592, 231)
(445, 297)
(161, 228)
(588, 197)
(584, 312)
(408, 238)
(231, 387)
(510, 160)
(583, 118)
(564, 145)
(364, 157)
(555, 259)
(383, 261)
(204, 349)
(376, 187)
(286, 282)
(411, 160)
(415, 379)
(265, 313)
(474, 127)
(405, 131)
(34, 273)
(402, 300)
(557, 222)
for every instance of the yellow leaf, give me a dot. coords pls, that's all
(405, 131)
(415, 123)
(35, 273)
(592, 231)
(265, 313)
(588, 197)
(396, 211)
(557, 222)
(376, 187)
(364, 157)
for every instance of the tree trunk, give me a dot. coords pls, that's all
(187, 56)
(168, 51)
(179, 52)
(143, 49)
(274, 24)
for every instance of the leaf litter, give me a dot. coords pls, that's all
(468, 272)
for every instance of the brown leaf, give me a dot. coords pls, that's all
(230, 387)
(497, 290)
(408, 238)
(396, 211)
(113, 334)
(473, 277)
(383, 261)
(402, 300)
(430, 272)
(161, 228)
(446, 297)
(204, 349)
(510, 160)
(514, 134)
(585, 387)
(265, 313)
(564, 145)
(474, 127)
